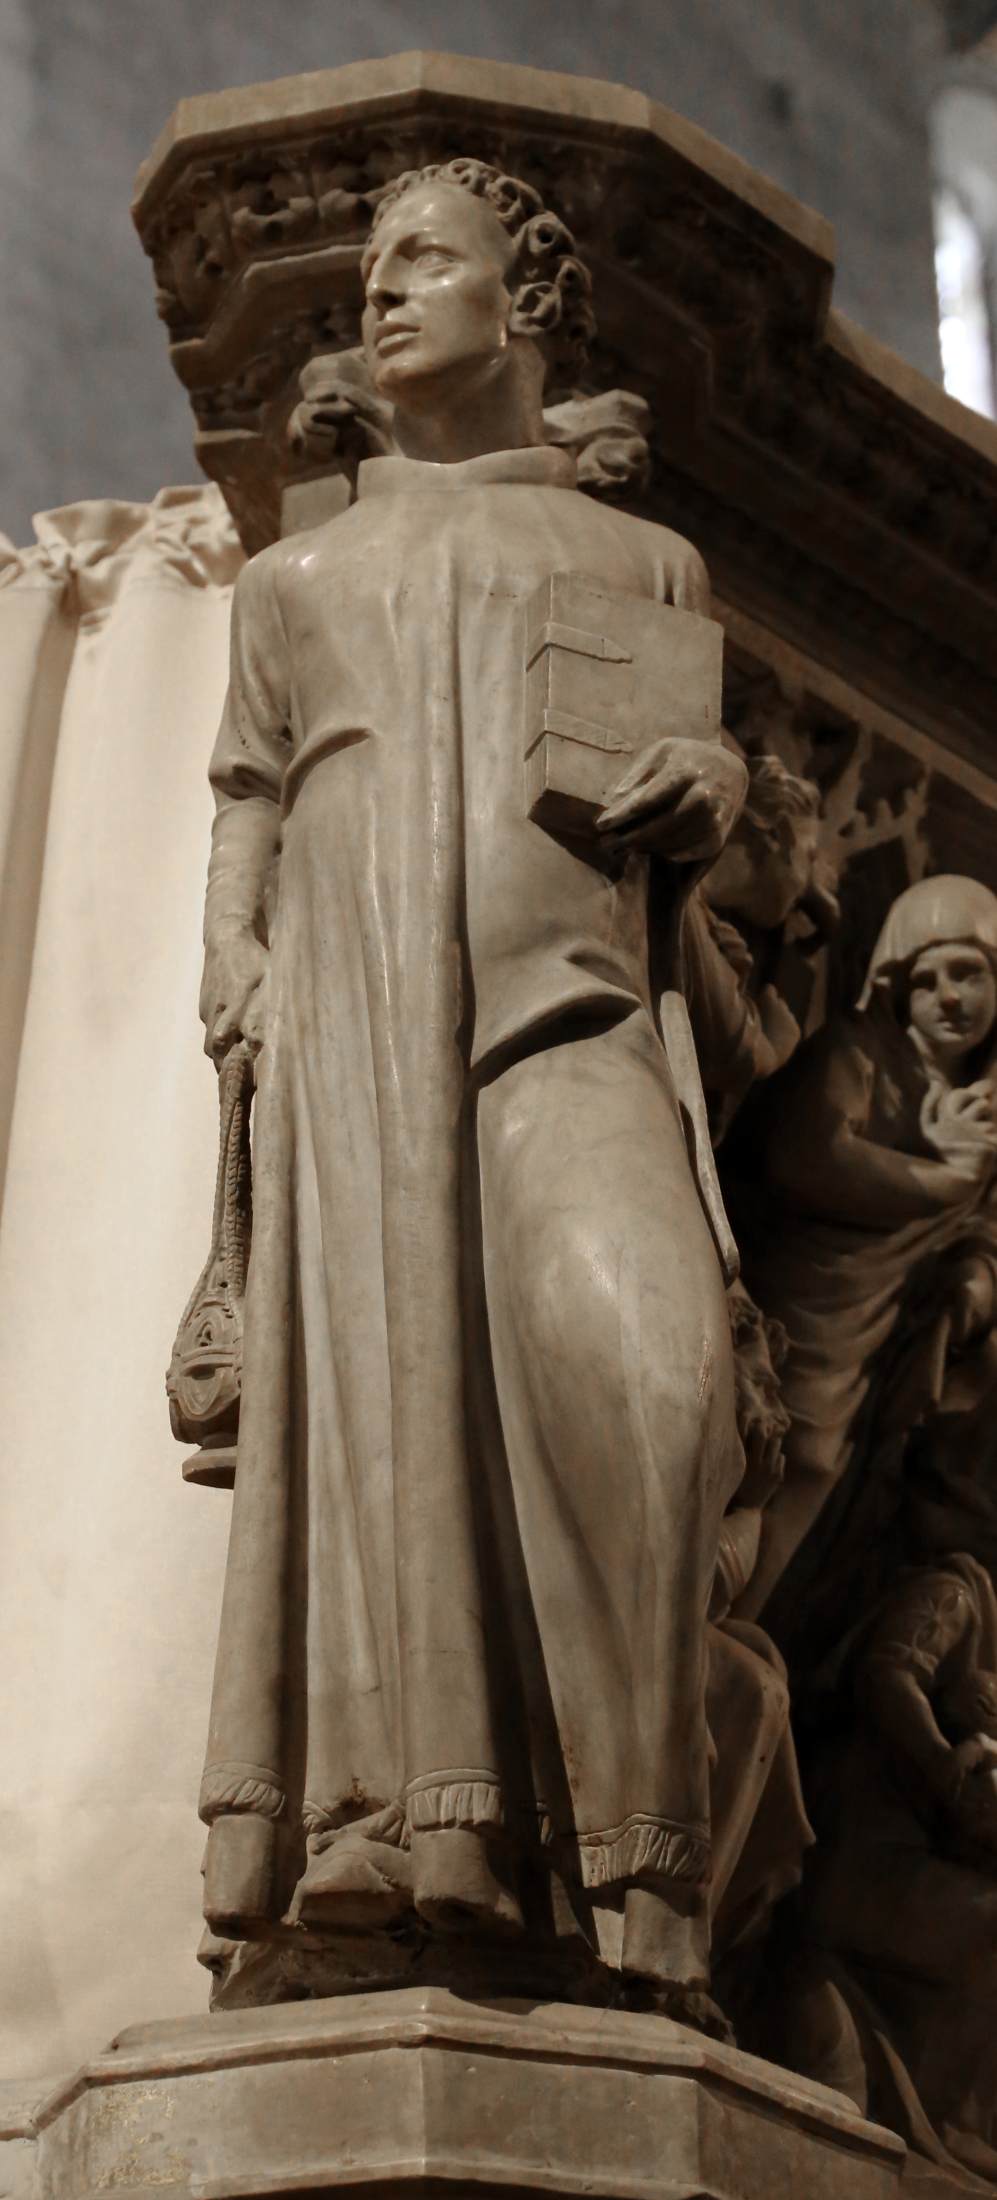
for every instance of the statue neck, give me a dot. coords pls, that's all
(501, 412)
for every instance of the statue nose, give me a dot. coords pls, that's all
(383, 291)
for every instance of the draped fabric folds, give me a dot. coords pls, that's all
(113, 645)
(484, 1301)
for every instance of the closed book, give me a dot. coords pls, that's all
(607, 675)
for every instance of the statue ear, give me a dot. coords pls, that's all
(536, 310)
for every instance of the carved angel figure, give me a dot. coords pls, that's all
(879, 1146)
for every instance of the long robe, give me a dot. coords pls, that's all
(479, 1485)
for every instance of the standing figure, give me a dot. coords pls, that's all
(487, 1430)
(879, 1150)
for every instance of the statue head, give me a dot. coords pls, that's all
(466, 275)
(935, 962)
(952, 998)
(771, 862)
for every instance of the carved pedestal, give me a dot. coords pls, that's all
(418, 2090)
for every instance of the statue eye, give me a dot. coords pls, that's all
(434, 255)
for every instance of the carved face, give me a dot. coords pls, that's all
(761, 876)
(437, 311)
(953, 998)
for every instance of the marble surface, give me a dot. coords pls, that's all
(420, 2089)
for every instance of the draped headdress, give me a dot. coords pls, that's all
(933, 913)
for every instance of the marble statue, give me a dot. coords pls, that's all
(487, 1427)
(879, 1151)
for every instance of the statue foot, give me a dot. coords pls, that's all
(354, 1882)
(666, 1936)
(240, 1876)
(456, 1890)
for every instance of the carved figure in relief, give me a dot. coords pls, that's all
(761, 1831)
(892, 1988)
(880, 1979)
(744, 1030)
(487, 1429)
(879, 1147)
(771, 867)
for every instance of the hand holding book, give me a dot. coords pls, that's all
(678, 799)
(623, 734)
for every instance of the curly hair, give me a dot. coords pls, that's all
(553, 298)
(776, 796)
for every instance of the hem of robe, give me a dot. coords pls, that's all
(234, 1788)
(644, 1846)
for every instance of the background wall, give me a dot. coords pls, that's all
(827, 96)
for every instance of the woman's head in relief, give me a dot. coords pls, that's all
(935, 962)
(952, 999)
(461, 262)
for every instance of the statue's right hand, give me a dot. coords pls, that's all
(961, 1127)
(233, 992)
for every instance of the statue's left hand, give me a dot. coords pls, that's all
(679, 800)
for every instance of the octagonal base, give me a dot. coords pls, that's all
(419, 2091)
